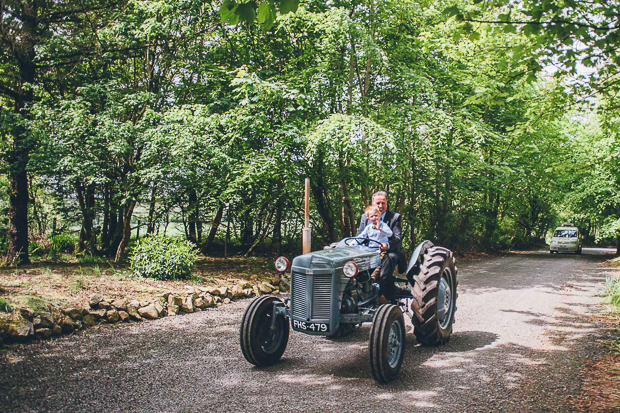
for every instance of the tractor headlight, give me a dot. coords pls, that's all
(350, 269)
(281, 264)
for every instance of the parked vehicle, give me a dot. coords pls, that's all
(566, 238)
(332, 293)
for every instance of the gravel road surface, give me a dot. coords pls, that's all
(523, 331)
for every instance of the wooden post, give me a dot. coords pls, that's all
(306, 243)
(227, 231)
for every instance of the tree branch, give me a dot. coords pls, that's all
(542, 23)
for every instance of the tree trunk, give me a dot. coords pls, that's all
(24, 52)
(491, 220)
(413, 198)
(277, 229)
(324, 211)
(192, 215)
(18, 209)
(151, 224)
(35, 210)
(118, 230)
(317, 187)
(184, 220)
(86, 201)
(127, 214)
(227, 237)
(344, 228)
(105, 236)
(199, 230)
(351, 212)
(217, 220)
(247, 229)
(260, 238)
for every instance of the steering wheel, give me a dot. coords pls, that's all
(351, 241)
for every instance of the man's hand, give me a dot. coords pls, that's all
(383, 247)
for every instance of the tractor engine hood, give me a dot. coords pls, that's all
(335, 258)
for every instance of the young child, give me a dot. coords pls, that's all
(377, 231)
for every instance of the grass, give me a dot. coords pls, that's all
(614, 262)
(615, 344)
(78, 284)
(612, 291)
(96, 270)
(612, 297)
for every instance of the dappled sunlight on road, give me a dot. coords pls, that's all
(520, 322)
(305, 379)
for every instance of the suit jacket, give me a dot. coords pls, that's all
(393, 220)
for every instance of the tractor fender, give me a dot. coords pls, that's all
(415, 257)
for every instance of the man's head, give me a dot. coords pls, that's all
(379, 199)
(372, 214)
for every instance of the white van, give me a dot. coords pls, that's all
(566, 238)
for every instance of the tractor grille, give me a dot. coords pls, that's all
(320, 286)
(321, 296)
(298, 298)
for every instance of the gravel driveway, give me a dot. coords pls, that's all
(522, 334)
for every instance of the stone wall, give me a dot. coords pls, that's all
(45, 324)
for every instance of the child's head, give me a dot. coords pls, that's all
(373, 214)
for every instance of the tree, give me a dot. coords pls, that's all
(570, 35)
(27, 27)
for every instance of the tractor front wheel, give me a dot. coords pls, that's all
(387, 343)
(263, 340)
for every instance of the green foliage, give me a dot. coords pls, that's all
(233, 12)
(4, 244)
(612, 291)
(56, 244)
(577, 35)
(165, 115)
(37, 248)
(62, 243)
(4, 306)
(163, 258)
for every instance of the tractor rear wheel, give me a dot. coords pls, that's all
(387, 343)
(434, 297)
(262, 341)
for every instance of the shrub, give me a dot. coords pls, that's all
(36, 248)
(62, 243)
(163, 258)
(4, 306)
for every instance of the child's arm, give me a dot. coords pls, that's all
(364, 233)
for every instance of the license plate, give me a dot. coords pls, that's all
(314, 327)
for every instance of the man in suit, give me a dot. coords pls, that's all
(395, 254)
